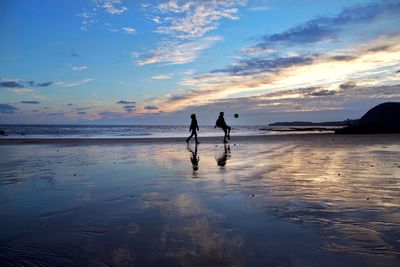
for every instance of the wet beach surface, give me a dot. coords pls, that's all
(324, 200)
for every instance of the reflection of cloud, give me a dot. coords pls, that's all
(196, 227)
(172, 52)
(312, 195)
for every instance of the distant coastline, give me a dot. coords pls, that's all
(308, 123)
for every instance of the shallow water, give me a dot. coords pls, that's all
(330, 201)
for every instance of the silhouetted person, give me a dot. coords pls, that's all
(194, 127)
(221, 160)
(222, 124)
(194, 158)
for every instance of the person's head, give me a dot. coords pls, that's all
(221, 114)
(193, 116)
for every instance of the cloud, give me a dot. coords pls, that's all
(125, 102)
(343, 58)
(113, 7)
(347, 85)
(172, 52)
(109, 114)
(70, 104)
(83, 109)
(150, 107)
(298, 100)
(129, 108)
(10, 84)
(325, 28)
(162, 77)
(258, 8)
(257, 65)
(45, 84)
(191, 19)
(21, 91)
(79, 68)
(73, 84)
(276, 73)
(56, 114)
(29, 102)
(73, 53)
(89, 13)
(323, 93)
(18, 85)
(380, 48)
(7, 108)
(128, 30)
(81, 112)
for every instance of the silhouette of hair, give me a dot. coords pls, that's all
(221, 113)
(193, 116)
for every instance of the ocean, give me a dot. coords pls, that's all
(118, 131)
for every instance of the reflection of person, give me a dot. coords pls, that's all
(194, 158)
(221, 160)
(194, 127)
(222, 124)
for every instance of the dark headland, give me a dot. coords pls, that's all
(383, 118)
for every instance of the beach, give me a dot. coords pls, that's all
(269, 200)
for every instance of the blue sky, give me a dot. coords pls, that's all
(156, 62)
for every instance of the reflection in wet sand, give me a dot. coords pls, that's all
(223, 157)
(288, 203)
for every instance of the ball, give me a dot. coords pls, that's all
(236, 115)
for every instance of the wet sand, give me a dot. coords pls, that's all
(284, 200)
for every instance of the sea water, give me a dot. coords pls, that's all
(135, 131)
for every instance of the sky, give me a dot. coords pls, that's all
(157, 62)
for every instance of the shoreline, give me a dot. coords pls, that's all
(378, 138)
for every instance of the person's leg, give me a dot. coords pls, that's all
(226, 133)
(229, 132)
(195, 137)
(188, 139)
